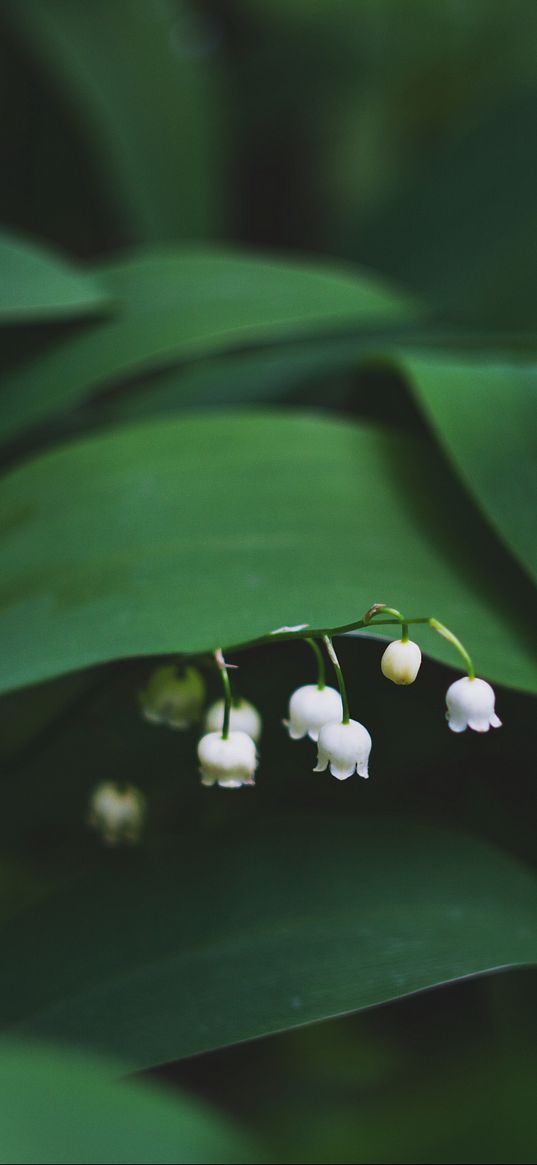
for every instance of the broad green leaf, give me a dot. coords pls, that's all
(144, 96)
(446, 1076)
(257, 927)
(58, 1106)
(46, 792)
(179, 304)
(484, 413)
(37, 284)
(185, 535)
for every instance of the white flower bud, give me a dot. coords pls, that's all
(117, 812)
(401, 661)
(346, 748)
(229, 763)
(309, 708)
(173, 699)
(243, 718)
(470, 704)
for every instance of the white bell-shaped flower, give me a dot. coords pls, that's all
(346, 748)
(117, 812)
(243, 717)
(470, 704)
(310, 707)
(230, 763)
(173, 698)
(401, 661)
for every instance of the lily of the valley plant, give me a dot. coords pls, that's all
(227, 751)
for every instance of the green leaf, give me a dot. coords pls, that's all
(57, 1107)
(244, 378)
(257, 927)
(461, 231)
(179, 304)
(484, 413)
(37, 284)
(145, 98)
(451, 1091)
(185, 535)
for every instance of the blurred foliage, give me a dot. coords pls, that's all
(117, 1119)
(447, 1078)
(313, 225)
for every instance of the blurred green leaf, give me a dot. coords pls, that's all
(444, 1076)
(38, 284)
(484, 413)
(185, 535)
(145, 95)
(479, 1109)
(247, 377)
(191, 303)
(258, 927)
(463, 229)
(57, 1107)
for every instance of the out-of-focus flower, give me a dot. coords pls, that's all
(310, 707)
(243, 717)
(346, 748)
(173, 698)
(229, 762)
(117, 812)
(470, 704)
(401, 661)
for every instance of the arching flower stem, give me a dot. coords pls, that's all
(339, 675)
(228, 696)
(436, 625)
(284, 634)
(321, 677)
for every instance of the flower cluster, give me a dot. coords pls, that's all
(227, 749)
(470, 702)
(322, 713)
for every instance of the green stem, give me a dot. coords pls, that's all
(434, 623)
(325, 633)
(340, 680)
(447, 634)
(321, 678)
(221, 665)
(380, 609)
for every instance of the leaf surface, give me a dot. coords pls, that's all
(186, 535)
